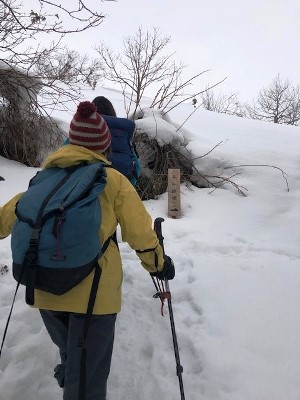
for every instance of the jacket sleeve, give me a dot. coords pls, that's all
(136, 227)
(8, 216)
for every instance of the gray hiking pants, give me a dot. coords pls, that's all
(65, 330)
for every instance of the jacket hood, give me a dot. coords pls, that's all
(70, 155)
(119, 123)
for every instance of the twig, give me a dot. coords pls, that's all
(189, 97)
(263, 165)
(225, 180)
(210, 151)
(189, 116)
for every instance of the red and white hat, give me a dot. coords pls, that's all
(89, 129)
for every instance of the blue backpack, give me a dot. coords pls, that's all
(55, 240)
(123, 157)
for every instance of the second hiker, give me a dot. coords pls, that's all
(123, 155)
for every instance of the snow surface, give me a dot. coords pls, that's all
(236, 293)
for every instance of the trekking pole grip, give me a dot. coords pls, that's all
(157, 228)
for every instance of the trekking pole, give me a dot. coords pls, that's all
(179, 368)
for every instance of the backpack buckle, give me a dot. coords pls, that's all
(35, 236)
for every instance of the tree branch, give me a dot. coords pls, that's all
(263, 165)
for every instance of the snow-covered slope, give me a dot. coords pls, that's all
(236, 293)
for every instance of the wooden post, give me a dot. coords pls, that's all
(174, 207)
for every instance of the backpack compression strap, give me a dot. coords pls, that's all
(31, 256)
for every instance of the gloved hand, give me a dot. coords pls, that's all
(168, 271)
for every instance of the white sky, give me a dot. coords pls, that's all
(249, 42)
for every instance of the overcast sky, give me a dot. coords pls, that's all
(247, 41)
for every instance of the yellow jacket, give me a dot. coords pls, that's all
(121, 205)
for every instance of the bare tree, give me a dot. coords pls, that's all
(222, 103)
(50, 16)
(293, 111)
(36, 78)
(145, 64)
(21, 34)
(278, 103)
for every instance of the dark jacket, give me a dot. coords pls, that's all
(123, 156)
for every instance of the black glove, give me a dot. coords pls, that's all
(168, 271)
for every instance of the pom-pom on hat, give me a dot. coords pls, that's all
(89, 129)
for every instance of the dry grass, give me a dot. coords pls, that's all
(28, 140)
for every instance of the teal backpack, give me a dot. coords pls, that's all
(55, 240)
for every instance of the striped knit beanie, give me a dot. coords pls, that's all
(88, 128)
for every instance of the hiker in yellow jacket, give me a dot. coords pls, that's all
(63, 315)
